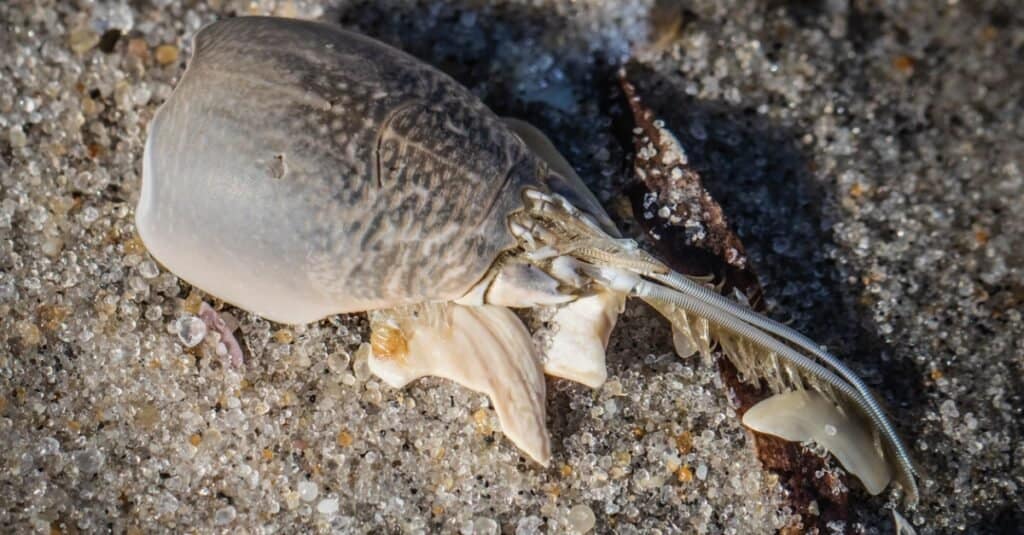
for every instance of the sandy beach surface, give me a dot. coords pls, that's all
(870, 156)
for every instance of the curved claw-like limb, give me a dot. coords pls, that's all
(516, 284)
(484, 348)
(728, 321)
(525, 285)
(577, 350)
(801, 416)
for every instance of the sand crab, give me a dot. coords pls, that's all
(300, 170)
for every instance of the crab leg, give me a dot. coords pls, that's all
(730, 322)
(799, 416)
(577, 350)
(682, 284)
(484, 348)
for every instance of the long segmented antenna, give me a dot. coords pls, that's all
(672, 288)
(737, 324)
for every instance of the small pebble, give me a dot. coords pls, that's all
(485, 526)
(581, 519)
(83, 40)
(17, 137)
(308, 491)
(89, 461)
(224, 516)
(138, 48)
(327, 506)
(191, 330)
(148, 269)
(166, 54)
(361, 363)
(702, 472)
(529, 525)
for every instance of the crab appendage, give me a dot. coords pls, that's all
(484, 348)
(753, 326)
(797, 416)
(576, 350)
(792, 358)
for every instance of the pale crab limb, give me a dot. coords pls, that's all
(869, 403)
(687, 337)
(524, 285)
(517, 285)
(683, 343)
(486, 349)
(648, 290)
(802, 416)
(577, 350)
(216, 323)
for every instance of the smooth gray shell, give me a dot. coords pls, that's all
(300, 170)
